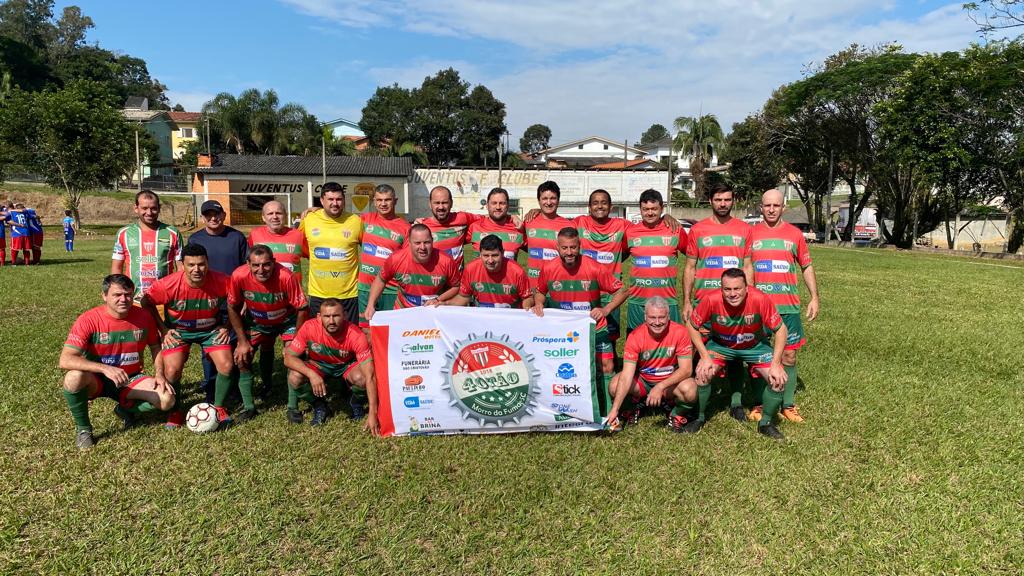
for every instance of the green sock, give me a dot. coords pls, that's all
(759, 385)
(266, 369)
(703, 399)
(141, 408)
(789, 394)
(245, 388)
(682, 409)
(293, 398)
(359, 394)
(221, 389)
(735, 376)
(306, 393)
(78, 403)
(771, 401)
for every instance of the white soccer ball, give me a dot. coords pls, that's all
(202, 418)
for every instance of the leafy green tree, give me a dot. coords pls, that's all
(995, 15)
(753, 167)
(23, 66)
(482, 121)
(700, 139)
(69, 33)
(255, 122)
(654, 133)
(535, 138)
(28, 22)
(75, 137)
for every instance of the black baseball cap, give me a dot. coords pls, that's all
(211, 206)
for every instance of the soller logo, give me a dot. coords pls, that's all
(572, 336)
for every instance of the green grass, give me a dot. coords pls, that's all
(910, 462)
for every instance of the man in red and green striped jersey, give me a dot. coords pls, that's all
(425, 276)
(149, 249)
(779, 250)
(287, 243)
(192, 300)
(274, 305)
(542, 231)
(493, 281)
(499, 223)
(572, 282)
(716, 244)
(384, 233)
(450, 230)
(329, 350)
(654, 249)
(103, 357)
(602, 239)
(740, 321)
(656, 368)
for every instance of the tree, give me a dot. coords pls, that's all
(69, 34)
(23, 66)
(75, 137)
(753, 167)
(535, 138)
(387, 115)
(992, 15)
(654, 133)
(700, 139)
(28, 22)
(256, 122)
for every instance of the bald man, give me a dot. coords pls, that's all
(778, 251)
(287, 244)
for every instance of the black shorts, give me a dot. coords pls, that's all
(350, 306)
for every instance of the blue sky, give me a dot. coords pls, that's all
(583, 67)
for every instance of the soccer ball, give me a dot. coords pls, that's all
(202, 418)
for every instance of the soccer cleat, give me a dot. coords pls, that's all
(175, 418)
(677, 423)
(127, 417)
(630, 417)
(614, 425)
(792, 414)
(693, 426)
(295, 416)
(738, 413)
(358, 410)
(83, 440)
(755, 414)
(223, 418)
(320, 414)
(770, 431)
(246, 415)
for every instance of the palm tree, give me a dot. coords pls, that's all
(700, 138)
(256, 122)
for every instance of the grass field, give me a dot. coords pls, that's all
(912, 460)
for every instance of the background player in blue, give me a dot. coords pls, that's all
(21, 238)
(4, 217)
(69, 232)
(35, 230)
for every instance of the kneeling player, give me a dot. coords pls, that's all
(192, 299)
(741, 321)
(103, 357)
(273, 306)
(656, 369)
(327, 350)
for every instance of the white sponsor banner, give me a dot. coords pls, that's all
(454, 370)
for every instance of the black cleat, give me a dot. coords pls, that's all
(295, 416)
(320, 414)
(127, 417)
(693, 426)
(770, 431)
(83, 440)
(738, 413)
(358, 410)
(245, 415)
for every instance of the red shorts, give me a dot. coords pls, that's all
(110, 390)
(19, 243)
(37, 239)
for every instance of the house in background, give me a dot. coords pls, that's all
(585, 153)
(661, 151)
(159, 125)
(185, 128)
(342, 127)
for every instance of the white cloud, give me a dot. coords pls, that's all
(612, 68)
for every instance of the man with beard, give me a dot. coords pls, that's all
(147, 250)
(287, 243)
(424, 276)
(492, 280)
(334, 238)
(499, 223)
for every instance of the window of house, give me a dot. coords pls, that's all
(188, 133)
(605, 146)
(580, 146)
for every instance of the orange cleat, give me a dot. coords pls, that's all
(792, 414)
(755, 414)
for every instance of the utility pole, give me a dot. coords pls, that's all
(828, 201)
(207, 122)
(323, 159)
(138, 159)
(501, 153)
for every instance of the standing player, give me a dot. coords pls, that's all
(740, 321)
(327, 350)
(35, 230)
(69, 231)
(492, 280)
(103, 357)
(149, 249)
(5, 217)
(542, 231)
(384, 233)
(424, 276)
(778, 249)
(572, 282)
(192, 300)
(653, 251)
(656, 368)
(21, 236)
(288, 244)
(716, 244)
(274, 306)
(499, 223)
(333, 237)
(449, 229)
(602, 239)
